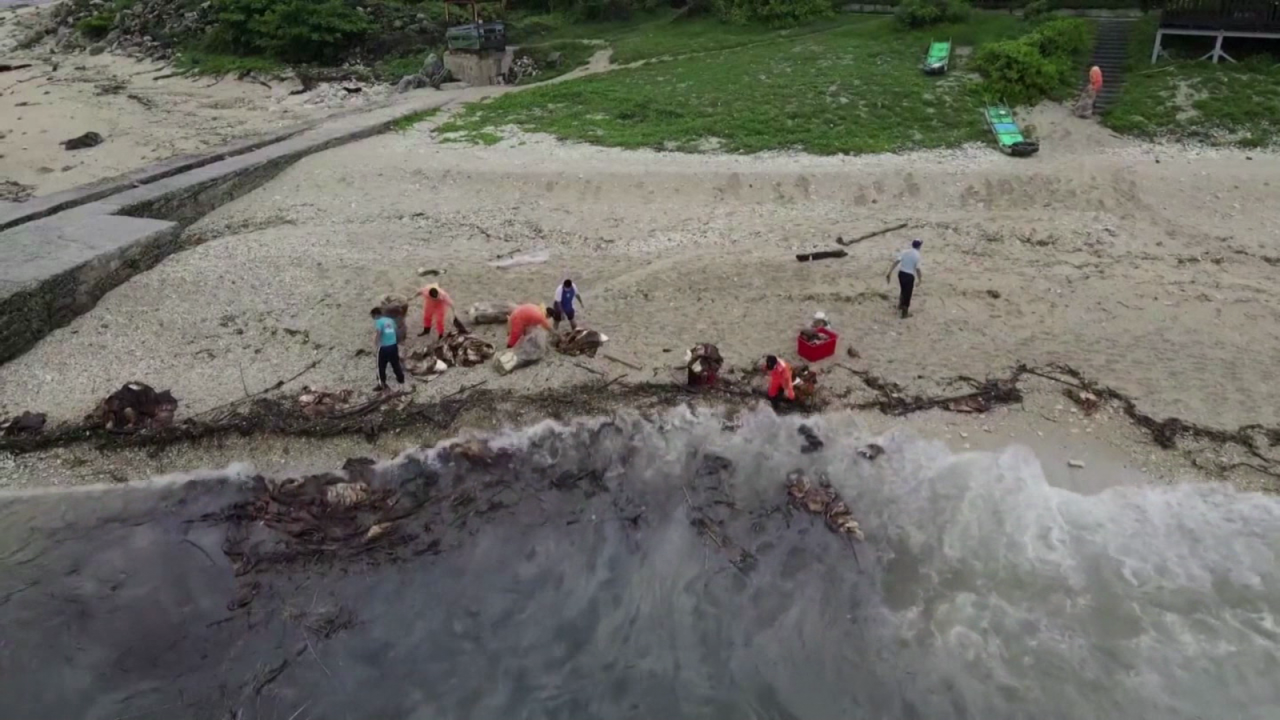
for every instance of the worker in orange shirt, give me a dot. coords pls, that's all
(525, 317)
(1095, 79)
(435, 305)
(779, 379)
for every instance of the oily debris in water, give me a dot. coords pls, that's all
(821, 499)
(305, 518)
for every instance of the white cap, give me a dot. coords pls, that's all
(819, 315)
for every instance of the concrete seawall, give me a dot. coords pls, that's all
(60, 254)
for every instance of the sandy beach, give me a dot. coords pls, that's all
(145, 112)
(1150, 269)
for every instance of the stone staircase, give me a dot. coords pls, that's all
(1111, 54)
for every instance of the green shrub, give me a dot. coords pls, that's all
(96, 27)
(1036, 11)
(1063, 38)
(773, 12)
(291, 30)
(1038, 65)
(922, 13)
(602, 10)
(533, 27)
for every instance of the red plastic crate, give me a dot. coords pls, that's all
(820, 350)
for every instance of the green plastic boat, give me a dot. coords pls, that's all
(1008, 135)
(938, 58)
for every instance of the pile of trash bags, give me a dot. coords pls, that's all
(703, 362)
(457, 349)
(530, 349)
(580, 342)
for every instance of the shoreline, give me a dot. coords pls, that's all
(1077, 451)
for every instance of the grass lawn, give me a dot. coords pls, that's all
(1224, 104)
(851, 86)
(408, 121)
(198, 62)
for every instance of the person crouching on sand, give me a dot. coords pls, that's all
(435, 305)
(781, 385)
(384, 338)
(524, 318)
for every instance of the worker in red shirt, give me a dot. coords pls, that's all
(525, 317)
(435, 305)
(779, 379)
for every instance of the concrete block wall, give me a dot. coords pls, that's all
(72, 263)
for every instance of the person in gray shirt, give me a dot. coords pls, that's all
(909, 273)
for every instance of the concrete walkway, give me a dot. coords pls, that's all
(61, 253)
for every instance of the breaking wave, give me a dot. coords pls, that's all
(980, 592)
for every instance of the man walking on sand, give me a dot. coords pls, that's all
(435, 305)
(566, 293)
(384, 338)
(909, 274)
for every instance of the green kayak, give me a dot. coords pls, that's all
(1008, 135)
(938, 58)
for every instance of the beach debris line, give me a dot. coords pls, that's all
(822, 500)
(882, 231)
(1087, 401)
(135, 406)
(28, 423)
(80, 142)
(895, 400)
(318, 403)
(821, 255)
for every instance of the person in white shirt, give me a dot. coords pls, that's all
(566, 294)
(909, 274)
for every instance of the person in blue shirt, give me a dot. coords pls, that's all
(384, 338)
(566, 293)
